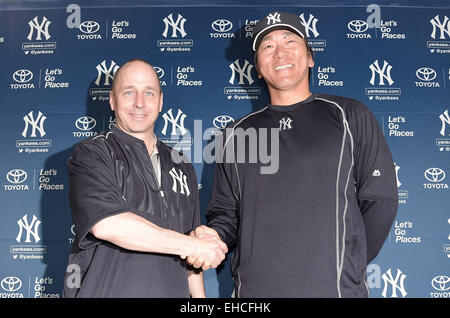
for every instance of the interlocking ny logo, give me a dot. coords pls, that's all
(177, 26)
(397, 283)
(41, 28)
(37, 124)
(179, 178)
(107, 71)
(177, 122)
(310, 25)
(244, 71)
(445, 119)
(30, 228)
(444, 27)
(285, 123)
(273, 18)
(383, 73)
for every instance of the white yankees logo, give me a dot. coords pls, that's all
(286, 123)
(273, 18)
(181, 178)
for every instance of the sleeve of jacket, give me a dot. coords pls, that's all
(375, 179)
(196, 219)
(223, 209)
(94, 191)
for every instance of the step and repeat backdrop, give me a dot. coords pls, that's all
(57, 66)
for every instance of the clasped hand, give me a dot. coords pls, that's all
(209, 249)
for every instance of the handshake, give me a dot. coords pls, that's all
(208, 249)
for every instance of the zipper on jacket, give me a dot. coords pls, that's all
(163, 203)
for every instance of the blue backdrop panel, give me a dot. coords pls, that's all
(55, 88)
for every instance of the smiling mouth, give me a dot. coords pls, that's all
(283, 67)
(138, 115)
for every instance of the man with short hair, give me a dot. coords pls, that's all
(133, 206)
(310, 228)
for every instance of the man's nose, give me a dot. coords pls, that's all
(139, 100)
(280, 51)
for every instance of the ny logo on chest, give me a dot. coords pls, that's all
(179, 182)
(286, 123)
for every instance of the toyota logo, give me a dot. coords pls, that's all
(22, 76)
(441, 283)
(89, 27)
(222, 25)
(16, 176)
(159, 71)
(85, 123)
(357, 26)
(11, 283)
(435, 174)
(222, 121)
(426, 74)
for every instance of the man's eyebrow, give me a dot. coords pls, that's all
(266, 38)
(126, 87)
(133, 86)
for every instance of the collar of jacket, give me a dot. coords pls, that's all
(127, 138)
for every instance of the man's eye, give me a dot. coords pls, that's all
(149, 93)
(129, 93)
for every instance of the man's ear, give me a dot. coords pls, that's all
(112, 101)
(311, 61)
(161, 99)
(255, 62)
(310, 55)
